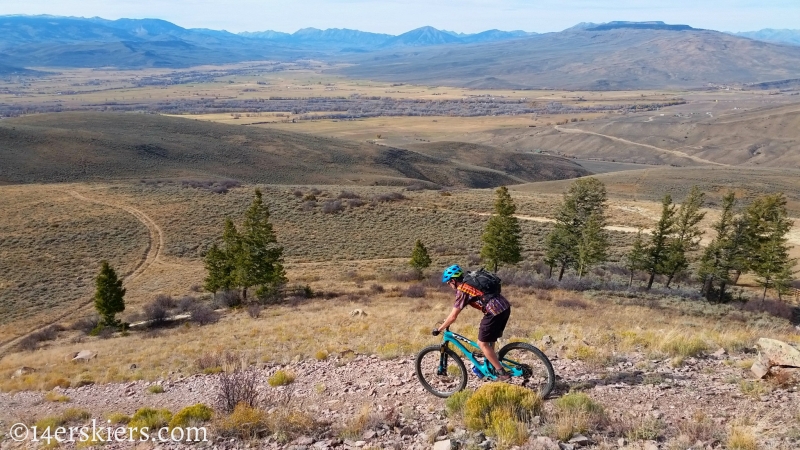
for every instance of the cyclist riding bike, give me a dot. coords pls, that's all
(495, 308)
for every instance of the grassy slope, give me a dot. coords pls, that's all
(652, 184)
(99, 146)
(525, 166)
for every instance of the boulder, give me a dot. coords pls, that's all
(443, 445)
(772, 352)
(84, 356)
(22, 371)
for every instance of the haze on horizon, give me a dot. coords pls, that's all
(399, 16)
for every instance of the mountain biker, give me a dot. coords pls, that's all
(496, 310)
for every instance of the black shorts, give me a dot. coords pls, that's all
(492, 327)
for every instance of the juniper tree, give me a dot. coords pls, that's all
(768, 224)
(501, 238)
(657, 251)
(687, 234)
(109, 295)
(585, 197)
(420, 260)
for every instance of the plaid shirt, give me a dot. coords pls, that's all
(488, 304)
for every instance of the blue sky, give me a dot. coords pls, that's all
(398, 16)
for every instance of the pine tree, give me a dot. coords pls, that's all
(687, 234)
(635, 259)
(109, 296)
(727, 252)
(658, 249)
(501, 238)
(219, 271)
(585, 197)
(420, 260)
(260, 258)
(592, 245)
(768, 221)
(249, 257)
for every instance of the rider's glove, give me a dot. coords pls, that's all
(435, 332)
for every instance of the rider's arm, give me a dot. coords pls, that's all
(450, 319)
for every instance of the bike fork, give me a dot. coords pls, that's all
(442, 362)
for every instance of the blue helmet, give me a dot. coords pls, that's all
(451, 272)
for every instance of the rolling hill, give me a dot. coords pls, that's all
(108, 146)
(765, 136)
(601, 57)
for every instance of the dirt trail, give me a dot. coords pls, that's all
(621, 228)
(154, 249)
(613, 138)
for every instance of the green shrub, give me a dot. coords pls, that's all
(118, 418)
(522, 404)
(281, 378)
(156, 389)
(150, 418)
(245, 422)
(455, 403)
(191, 415)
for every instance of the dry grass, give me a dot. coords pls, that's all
(741, 438)
(285, 332)
(576, 413)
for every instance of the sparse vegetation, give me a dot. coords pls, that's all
(281, 378)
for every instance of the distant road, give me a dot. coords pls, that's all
(613, 138)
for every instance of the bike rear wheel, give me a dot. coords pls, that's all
(441, 371)
(537, 371)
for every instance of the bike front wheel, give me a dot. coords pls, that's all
(536, 370)
(441, 371)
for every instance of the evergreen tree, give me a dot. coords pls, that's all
(420, 260)
(109, 296)
(219, 271)
(559, 249)
(585, 197)
(657, 250)
(687, 234)
(727, 252)
(249, 257)
(768, 221)
(592, 245)
(501, 238)
(635, 259)
(260, 261)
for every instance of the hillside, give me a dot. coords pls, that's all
(687, 135)
(526, 166)
(600, 58)
(652, 184)
(97, 146)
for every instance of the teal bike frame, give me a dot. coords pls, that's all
(485, 367)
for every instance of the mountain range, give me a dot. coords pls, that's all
(613, 55)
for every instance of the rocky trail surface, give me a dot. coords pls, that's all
(338, 389)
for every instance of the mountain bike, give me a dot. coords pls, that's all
(442, 372)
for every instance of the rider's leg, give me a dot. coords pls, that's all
(490, 330)
(488, 350)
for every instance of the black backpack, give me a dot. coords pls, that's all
(484, 281)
